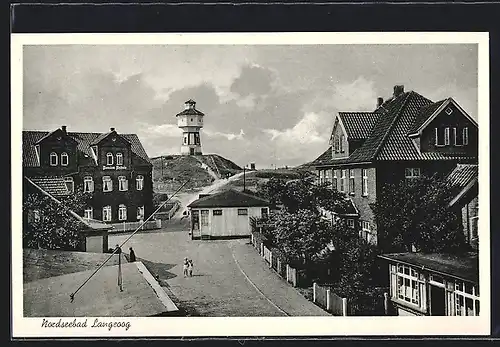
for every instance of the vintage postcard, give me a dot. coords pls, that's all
(279, 184)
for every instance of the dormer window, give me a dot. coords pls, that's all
(53, 159)
(109, 158)
(119, 159)
(64, 159)
(341, 144)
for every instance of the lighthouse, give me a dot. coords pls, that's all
(190, 121)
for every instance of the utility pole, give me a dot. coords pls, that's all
(244, 180)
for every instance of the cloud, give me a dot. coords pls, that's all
(228, 136)
(162, 130)
(304, 132)
(253, 80)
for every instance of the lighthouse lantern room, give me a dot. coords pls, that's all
(190, 121)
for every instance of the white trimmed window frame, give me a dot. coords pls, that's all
(64, 159)
(88, 213)
(53, 159)
(119, 159)
(365, 182)
(122, 183)
(352, 181)
(342, 180)
(465, 136)
(140, 212)
(106, 214)
(107, 184)
(88, 184)
(109, 159)
(122, 212)
(139, 182)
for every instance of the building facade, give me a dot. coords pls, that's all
(113, 167)
(434, 284)
(190, 121)
(225, 214)
(405, 136)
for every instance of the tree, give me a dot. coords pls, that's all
(48, 225)
(302, 236)
(355, 261)
(301, 194)
(416, 213)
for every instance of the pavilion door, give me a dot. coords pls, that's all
(191, 151)
(204, 224)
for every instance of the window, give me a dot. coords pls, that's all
(351, 182)
(321, 176)
(336, 143)
(64, 159)
(88, 184)
(465, 136)
(122, 183)
(122, 212)
(217, 213)
(242, 212)
(109, 158)
(407, 285)
(140, 212)
(107, 184)
(412, 172)
(342, 181)
(70, 184)
(185, 139)
(204, 218)
(446, 136)
(366, 231)
(88, 213)
(328, 178)
(53, 159)
(139, 182)
(264, 212)
(350, 223)
(365, 182)
(119, 159)
(341, 145)
(448, 111)
(106, 213)
(334, 181)
(466, 299)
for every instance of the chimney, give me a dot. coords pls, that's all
(380, 101)
(63, 128)
(112, 129)
(398, 90)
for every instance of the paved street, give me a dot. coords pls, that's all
(230, 278)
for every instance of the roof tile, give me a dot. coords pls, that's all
(358, 125)
(229, 198)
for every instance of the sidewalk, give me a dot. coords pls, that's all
(270, 284)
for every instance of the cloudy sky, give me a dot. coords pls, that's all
(263, 104)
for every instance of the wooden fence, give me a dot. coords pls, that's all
(274, 258)
(324, 297)
(376, 305)
(131, 226)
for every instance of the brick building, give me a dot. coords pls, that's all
(404, 137)
(113, 167)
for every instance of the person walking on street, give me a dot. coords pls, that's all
(132, 255)
(185, 267)
(190, 267)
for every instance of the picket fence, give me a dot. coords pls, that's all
(274, 259)
(324, 297)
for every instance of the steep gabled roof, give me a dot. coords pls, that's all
(84, 143)
(103, 136)
(388, 139)
(424, 114)
(358, 125)
(230, 198)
